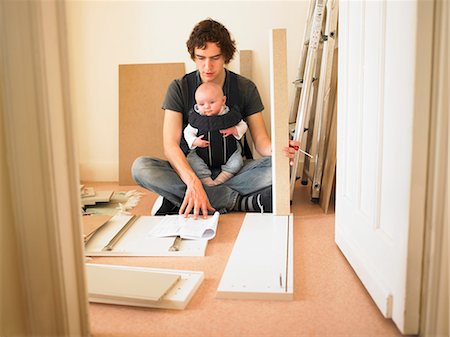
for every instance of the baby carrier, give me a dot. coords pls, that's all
(220, 148)
(190, 82)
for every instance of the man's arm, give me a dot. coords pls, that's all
(262, 141)
(259, 134)
(195, 197)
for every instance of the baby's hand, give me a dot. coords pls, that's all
(230, 131)
(200, 142)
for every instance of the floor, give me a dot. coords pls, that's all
(329, 299)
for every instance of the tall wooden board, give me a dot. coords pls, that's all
(246, 70)
(329, 172)
(141, 93)
(325, 91)
(245, 63)
(280, 122)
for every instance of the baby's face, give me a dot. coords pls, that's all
(209, 101)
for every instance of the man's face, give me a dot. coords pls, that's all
(210, 62)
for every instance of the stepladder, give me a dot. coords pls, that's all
(315, 91)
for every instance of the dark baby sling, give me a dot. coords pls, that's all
(220, 148)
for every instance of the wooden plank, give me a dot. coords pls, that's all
(324, 107)
(280, 122)
(245, 63)
(141, 93)
(329, 172)
(176, 287)
(245, 69)
(261, 263)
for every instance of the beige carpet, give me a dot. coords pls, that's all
(329, 299)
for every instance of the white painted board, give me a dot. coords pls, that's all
(137, 241)
(261, 263)
(176, 297)
(140, 284)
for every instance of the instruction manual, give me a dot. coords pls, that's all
(186, 228)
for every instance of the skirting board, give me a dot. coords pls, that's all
(261, 264)
(177, 297)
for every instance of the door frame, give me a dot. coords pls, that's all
(436, 288)
(42, 171)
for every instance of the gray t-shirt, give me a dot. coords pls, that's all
(248, 102)
(242, 96)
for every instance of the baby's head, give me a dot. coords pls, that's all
(209, 98)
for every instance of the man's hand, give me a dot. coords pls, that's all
(289, 151)
(196, 199)
(200, 142)
(230, 131)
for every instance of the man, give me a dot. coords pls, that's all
(211, 48)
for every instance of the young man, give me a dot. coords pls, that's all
(211, 48)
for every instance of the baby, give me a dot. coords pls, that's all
(211, 123)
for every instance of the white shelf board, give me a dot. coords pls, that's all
(137, 241)
(177, 295)
(261, 263)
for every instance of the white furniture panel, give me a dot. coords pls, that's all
(158, 288)
(261, 263)
(137, 241)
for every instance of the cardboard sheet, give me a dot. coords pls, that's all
(141, 93)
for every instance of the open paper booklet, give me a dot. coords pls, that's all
(186, 228)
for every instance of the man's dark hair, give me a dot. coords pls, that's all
(211, 31)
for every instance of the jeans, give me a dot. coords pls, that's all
(157, 175)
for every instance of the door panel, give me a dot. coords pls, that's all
(381, 49)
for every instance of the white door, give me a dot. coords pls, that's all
(383, 112)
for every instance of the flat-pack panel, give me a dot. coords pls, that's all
(140, 286)
(261, 263)
(126, 235)
(141, 93)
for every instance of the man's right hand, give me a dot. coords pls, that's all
(195, 199)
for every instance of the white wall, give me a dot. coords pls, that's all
(104, 34)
